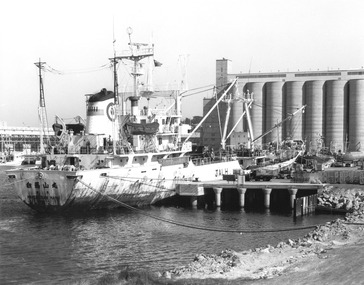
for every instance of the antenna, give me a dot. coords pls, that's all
(183, 60)
(113, 34)
(116, 84)
(129, 30)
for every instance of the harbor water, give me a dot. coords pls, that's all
(52, 249)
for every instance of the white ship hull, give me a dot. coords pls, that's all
(59, 190)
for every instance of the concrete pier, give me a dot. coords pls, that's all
(267, 192)
(240, 179)
(242, 192)
(245, 194)
(217, 191)
(292, 192)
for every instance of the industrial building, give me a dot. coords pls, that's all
(334, 111)
(20, 139)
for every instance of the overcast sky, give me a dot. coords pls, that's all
(76, 37)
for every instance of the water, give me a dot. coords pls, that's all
(52, 249)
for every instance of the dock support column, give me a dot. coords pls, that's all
(267, 192)
(194, 201)
(218, 191)
(292, 193)
(241, 179)
(242, 196)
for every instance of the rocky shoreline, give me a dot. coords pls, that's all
(272, 261)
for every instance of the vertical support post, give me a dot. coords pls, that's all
(267, 192)
(218, 191)
(304, 202)
(194, 201)
(292, 192)
(242, 196)
(241, 179)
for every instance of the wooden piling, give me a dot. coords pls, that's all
(304, 205)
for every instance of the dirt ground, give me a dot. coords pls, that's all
(333, 253)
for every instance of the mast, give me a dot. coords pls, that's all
(116, 102)
(183, 89)
(210, 111)
(115, 61)
(42, 107)
(137, 52)
(115, 120)
(247, 102)
(223, 139)
(116, 84)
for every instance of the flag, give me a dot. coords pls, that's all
(157, 63)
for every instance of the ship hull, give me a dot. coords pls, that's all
(59, 191)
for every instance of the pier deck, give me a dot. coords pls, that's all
(195, 189)
(278, 184)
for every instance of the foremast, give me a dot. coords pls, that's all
(42, 107)
(136, 53)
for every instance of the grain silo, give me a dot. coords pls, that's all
(273, 110)
(335, 113)
(293, 101)
(330, 113)
(356, 114)
(314, 99)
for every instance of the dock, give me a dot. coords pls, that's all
(248, 193)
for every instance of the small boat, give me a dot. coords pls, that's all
(142, 129)
(12, 158)
(135, 158)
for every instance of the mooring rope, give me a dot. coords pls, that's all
(131, 179)
(8, 184)
(191, 226)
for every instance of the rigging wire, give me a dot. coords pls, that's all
(12, 183)
(137, 180)
(294, 128)
(50, 69)
(208, 89)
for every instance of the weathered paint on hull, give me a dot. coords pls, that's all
(55, 190)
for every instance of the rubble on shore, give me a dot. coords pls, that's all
(346, 199)
(270, 261)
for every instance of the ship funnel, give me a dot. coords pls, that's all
(100, 113)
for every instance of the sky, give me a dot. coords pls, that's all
(76, 37)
